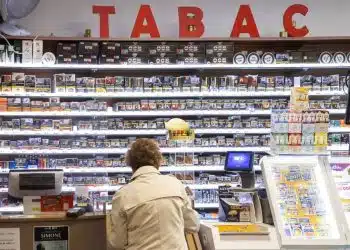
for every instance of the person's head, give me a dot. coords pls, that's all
(143, 152)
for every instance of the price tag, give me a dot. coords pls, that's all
(242, 229)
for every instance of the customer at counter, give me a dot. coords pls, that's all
(153, 211)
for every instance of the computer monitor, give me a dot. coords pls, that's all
(239, 161)
(38, 182)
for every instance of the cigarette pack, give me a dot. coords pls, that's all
(43, 85)
(59, 81)
(6, 83)
(29, 83)
(18, 82)
(70, 83)
(100, 85)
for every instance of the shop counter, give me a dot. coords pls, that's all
(86, 232)
(212, 239)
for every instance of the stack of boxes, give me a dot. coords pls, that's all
(88, 52)
(190, 53)
(32, 51)
(67, 53)
(109, 53)
(219, 52)
(134, 53)
(162, 53)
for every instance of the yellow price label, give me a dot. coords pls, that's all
(244, 229)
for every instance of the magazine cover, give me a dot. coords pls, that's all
(51, 238)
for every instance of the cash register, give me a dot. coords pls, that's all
(35, 182)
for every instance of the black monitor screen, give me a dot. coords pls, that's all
(40, 181)
(239, 161)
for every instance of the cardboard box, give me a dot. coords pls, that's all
(163, 58)
(88, 48)
(159, 48)
(87, 59)
(27, 51)
(110, 49)
(38, 50)
(220, 57)
(219, 47)
(191, 47)
(10, 54)
(109, 59)
(2, 53)
(67, 59)
(66, 49)
(130, 48)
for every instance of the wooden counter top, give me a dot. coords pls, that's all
(59, 216)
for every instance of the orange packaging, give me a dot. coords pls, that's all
(57, 203)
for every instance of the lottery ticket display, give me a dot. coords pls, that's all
(300, 197)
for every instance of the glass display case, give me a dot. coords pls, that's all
(301, 195)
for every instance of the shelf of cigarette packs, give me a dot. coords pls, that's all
(64, 85)
(30, 126)
(107, 145)
(52, 107)
(173, 162)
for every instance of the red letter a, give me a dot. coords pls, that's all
(145, 23)
(245, 14)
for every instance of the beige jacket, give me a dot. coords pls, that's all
(152, 212)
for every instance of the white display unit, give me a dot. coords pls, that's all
(159, 69)
(306, 211)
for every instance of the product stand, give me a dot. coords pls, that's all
(317, 166)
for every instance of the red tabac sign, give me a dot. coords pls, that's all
(171, 19)
(244, 22)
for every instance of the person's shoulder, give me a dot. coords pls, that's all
(121, 192)
(172, 181)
